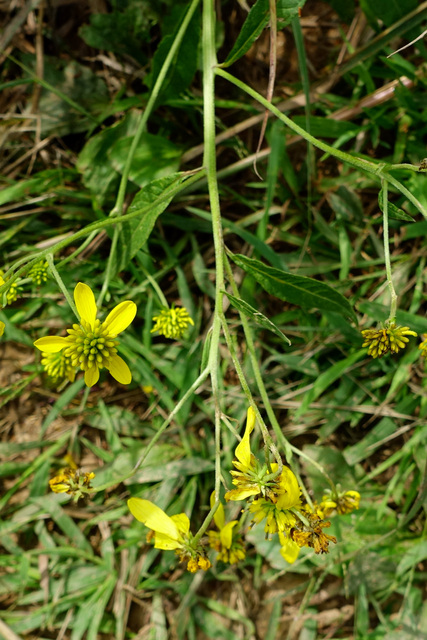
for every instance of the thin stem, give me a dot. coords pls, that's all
(156, 287)
(379, 170)
(49, 259)
(118, 207)
(109, 267)
(393, 296)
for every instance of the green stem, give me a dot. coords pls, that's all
(118, 207)
(156, 287)
(109, 268)
(49, 259)
(378, 170)
(209, 158)
(393, 296)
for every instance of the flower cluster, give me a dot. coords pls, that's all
(72, 481)
(227, 541)
(338, 502)
(423, 345)
(172, 323)
(13, 291)
(170, 532)
(92, 345)
(387, 338)
(276, 500)
(38, 272)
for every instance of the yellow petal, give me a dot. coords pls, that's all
(289, 491)
(119, 370)
(241, 494)
(1, 281)
(243, 449)
(2, 326)
(85, 303)
(51, 344)
(226, 534)
(120, 317)
(153, 517)
(182, 522)
(219, 517)
(290, 550)
(165, 542)
(91, 376)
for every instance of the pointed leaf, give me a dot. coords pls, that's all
(256, 316)
(298, 290)
(393, 211)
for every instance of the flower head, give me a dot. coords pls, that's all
(172, 323)
(423, 345)
(247, 478)
(338, 502)
(276, 519)
(388, 338)
(58, 366)
(310, 534)
(226, 541)
(91, 345)
(12, 292)
(170, 532)
(38, 272)
(73, 482)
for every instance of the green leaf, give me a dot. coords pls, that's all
(254, 24)
(298, 290)
(256, 316)
(393, 211)
(135, 233)
(155, 157)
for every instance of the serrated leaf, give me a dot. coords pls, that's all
(256, 316)
(135, 233)
(393, 211)
(298, 290)
(252, 27)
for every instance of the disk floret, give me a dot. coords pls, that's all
(90, 346)
(58, 366)
(172, 323)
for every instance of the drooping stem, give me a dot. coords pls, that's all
(61, 285)
(393, 296)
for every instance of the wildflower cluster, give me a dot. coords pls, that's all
(275, 499)
(13, 291)
(387, 338)
(170, 532)
(72, 481)
(172, 323)
(227, 541)
(58, 366)
(337, 502)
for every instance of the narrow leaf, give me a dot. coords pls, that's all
(256, 316)
(254, 24)
(393, 211)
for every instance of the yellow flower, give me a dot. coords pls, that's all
(58, 366)
(247, 477)
(310, 534)
(423, 345)
(339, 502)
(170, 532)
(91, 345)
(172, 323)
(226, 541)
(289, 549)
(12, 292)
(2, 326)
(286, 490)
(38, 272)
(276, 520)
(388, 338)
(73, 482)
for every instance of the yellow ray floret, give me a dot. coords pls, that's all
(92, 345)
